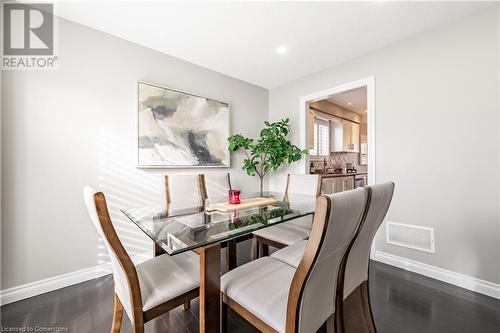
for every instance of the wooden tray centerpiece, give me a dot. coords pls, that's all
(245, 203)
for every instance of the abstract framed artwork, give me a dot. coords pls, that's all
(179, 129)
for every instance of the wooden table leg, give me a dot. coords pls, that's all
(210, 289)
(255, 248)
(265, 250)
(158, 250)
(231, 255)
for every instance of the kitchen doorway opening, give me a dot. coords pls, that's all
(337, 125)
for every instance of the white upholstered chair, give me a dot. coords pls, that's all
(149, 289)
(277, 297)
(303, 184)
(356, 313)
(217, 186)
(184, 192)
(291, 254)
(293, 231)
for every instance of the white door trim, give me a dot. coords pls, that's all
(369, 82)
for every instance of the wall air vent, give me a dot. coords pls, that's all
(410, 236)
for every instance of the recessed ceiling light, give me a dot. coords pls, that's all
(281, 49)
(349, 103)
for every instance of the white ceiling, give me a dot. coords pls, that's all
(354, 100)
(240, 38)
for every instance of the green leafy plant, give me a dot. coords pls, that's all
(269, 152)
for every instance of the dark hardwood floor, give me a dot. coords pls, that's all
(402, 302)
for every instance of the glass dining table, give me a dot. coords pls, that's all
(208, 227)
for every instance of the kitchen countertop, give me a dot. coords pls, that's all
(330, 175)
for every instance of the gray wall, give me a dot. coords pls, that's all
(437, 137)
(74, 126)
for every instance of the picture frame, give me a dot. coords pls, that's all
(179, 129)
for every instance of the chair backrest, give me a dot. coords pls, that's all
(303, 184)
(185, 191)
(312, 293)
(124, 273)
(217, 186)
(358, 258)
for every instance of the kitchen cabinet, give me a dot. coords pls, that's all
(343, 184)
(327, 185)
(360, 180)
(363, 144)
(344, 136)
(310, 129)
(336, 135)
(332, 185)
(354, 143)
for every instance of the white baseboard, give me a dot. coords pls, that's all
(57, 282)
(457, 279)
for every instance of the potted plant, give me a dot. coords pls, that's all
(269, 152)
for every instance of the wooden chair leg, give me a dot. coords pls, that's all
(117, 315)
(139, 328)
(339, 313)
(255, 248)
(186, 305)
(356, 317)
(330, 324)
(339, 300)
(138, 321)
(367, 309)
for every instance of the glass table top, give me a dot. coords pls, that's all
(187, 226)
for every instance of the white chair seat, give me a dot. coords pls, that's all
(292, 254)
(303, 221)
(261, 287)
(284, 233)
(166, 277)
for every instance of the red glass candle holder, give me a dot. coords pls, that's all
(234, 197)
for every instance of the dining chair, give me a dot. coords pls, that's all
(149, 289)
(216, 189)
(276, 297)
(293, 231)
(355, 313)
(217, 186)
(185, 192)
